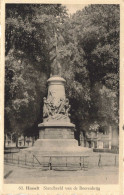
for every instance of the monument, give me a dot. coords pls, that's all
(56, 132)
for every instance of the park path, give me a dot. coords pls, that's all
(100, 175)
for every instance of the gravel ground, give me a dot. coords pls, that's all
(102, 175)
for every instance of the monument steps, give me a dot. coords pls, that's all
(58, 150)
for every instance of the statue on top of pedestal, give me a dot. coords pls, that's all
(56, 105)
(56, 68)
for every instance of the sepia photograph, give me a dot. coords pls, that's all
(61, 94)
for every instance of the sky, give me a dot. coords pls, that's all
(72, 8)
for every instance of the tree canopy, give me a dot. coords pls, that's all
(87, 49)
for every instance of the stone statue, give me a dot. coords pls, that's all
(46, 108)
(58, 111)
(61, 108)
(56, 68)
(55, 65)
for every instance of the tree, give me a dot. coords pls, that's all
(96, 30)
(28, 31)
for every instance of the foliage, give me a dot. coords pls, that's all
(22, 94)
(28, 30)
(94, 127)
(96, 30)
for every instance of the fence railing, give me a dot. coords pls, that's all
(50, 162)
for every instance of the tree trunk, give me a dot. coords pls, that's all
(17, 141)
(4, 141)
(24, 140)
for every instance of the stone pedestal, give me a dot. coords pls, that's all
(56, 133)
(56, 130)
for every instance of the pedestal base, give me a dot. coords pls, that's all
(56, 133)
(57, 147)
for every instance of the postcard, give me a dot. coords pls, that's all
(62, 97)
